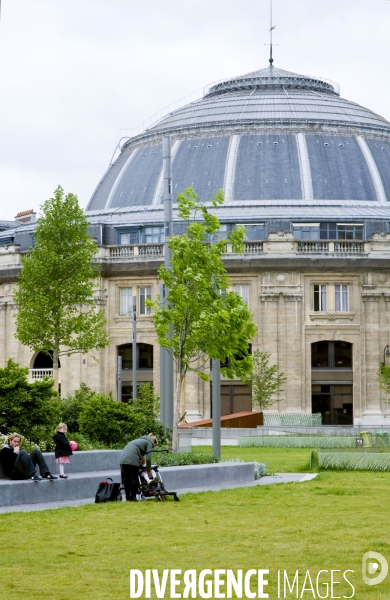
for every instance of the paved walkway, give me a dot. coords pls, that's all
(268, 480)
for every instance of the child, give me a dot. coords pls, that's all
(145, 473)
(62, 449)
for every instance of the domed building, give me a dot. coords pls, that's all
(308, 175)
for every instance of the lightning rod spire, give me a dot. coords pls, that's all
(271, 60)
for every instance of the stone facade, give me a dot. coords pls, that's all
(280, 278)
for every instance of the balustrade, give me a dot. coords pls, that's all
(39, 374)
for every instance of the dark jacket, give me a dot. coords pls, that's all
(62, 445)
(8, 459)
(133, 453)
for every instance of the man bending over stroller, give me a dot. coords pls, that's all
(130, 462)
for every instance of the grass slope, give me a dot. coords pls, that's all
(278, 460)
(87, 552)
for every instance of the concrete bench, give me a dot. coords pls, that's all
(82, 462)
(84, 483)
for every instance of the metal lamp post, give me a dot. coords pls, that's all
(216, 397)
(134, 347)
(166, 357)
(386, 352)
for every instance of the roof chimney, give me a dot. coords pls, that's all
(26, 216)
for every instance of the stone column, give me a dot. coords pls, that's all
(371, 352)
(385, 341)
(269, 335)
(290, 361)
(3, 334)
(195, 400)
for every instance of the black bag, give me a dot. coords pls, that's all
(108, 491)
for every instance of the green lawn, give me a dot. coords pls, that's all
(278, 460)
(87, 552)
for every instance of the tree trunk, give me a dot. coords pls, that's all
(176, 412)
(56, 375)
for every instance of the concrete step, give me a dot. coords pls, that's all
(268, 480)
(84, 462)
(79, 485)
(84, 484)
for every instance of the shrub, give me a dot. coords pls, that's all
(292, 419)
(286, 441)
(105, 421)
(72, 406)
(83, 443)
(179, 459)
(354, 461)
(101, 422)
(260, 470)
(33, 410)
(145, 409)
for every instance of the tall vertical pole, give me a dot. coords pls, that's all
(216, 404)
(134, 348)
(162, 371)
(271, 60)
(166, 366)
(119, 380)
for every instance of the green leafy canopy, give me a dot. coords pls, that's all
(384, 379)
(57, 312)
(265, 380)
(206, 319)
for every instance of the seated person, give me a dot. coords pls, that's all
(19, 464)
(150, 477)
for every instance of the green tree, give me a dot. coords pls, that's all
(146, 408)
(265, 381)
(33, 410)
(57, 313)
(384, 379)
(205, 319)
(108, 422)
(72, 406)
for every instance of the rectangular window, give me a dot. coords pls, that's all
(306, 231)
(320, 293)
(221, 234)
(255, 232)
(341, 231)
(341, 298)
(154, 235)
(243, 291)
(128, 237)
(328, 231)
(126, 301)
(349, 232)
(145, 293)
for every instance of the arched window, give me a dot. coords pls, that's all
(44, 361)
(331, 355)
(144, 356)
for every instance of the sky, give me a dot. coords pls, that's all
(74, 75)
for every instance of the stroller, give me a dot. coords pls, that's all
(154, 489)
